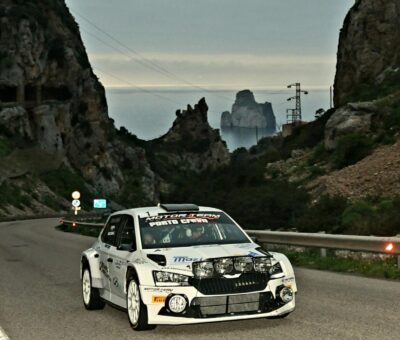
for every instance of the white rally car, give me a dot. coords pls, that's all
(183, 264)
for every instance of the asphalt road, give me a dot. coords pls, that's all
(40, 298)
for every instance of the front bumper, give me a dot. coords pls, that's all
(215, 308)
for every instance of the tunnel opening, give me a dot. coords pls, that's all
(61, 93)
(8, 94)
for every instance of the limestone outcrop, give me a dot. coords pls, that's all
(247, 113)
(198, 146)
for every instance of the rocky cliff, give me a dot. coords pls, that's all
(49, 93)
(247, 113)
(55, 132)
(358, 154)
(190, 145)
(368, 59)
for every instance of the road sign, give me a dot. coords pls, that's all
(76, 203)
(99, 204)
(76, 195)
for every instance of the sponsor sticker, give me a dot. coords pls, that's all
(158, 299)
(183, 259)
(158, 290)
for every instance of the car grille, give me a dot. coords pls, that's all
(216, 306)
(246, 283)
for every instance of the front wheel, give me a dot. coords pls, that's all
(137, 311)
(90, 295)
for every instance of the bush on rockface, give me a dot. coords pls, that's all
(372, 216)
(324, 215)
(350, 149)
(64, 181)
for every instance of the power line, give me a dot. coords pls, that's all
(133, 85)
(142, 60)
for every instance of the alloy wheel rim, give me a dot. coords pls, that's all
(86, 287)
(133, 302)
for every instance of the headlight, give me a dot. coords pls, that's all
(223, 266)
(203, 270)
(262, 264)
(244, 264)
(276, 269)
(171, 278)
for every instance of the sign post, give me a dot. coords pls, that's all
(76, 203)
(100, 204)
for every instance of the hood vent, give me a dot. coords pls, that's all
(157, 258)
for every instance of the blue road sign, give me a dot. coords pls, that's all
(100, 204)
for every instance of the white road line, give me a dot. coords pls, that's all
(3, 335)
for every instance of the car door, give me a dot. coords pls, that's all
(108, 239)
(124, 247)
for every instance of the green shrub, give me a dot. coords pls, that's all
(357, 211)
(13, 195)
(64, 181)
(319, 154)
(52, 203)
(379, 216)
(323, 215)
(350, 149)
(5, 147)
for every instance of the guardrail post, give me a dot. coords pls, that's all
(322, 250)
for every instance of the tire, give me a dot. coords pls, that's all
(278, 316)
(137, 310)
(90, 295)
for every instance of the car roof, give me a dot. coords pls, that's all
(155, 210)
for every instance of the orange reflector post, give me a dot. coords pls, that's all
(389, 247)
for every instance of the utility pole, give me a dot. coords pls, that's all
(294, 115)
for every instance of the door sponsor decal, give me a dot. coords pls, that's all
(104, 270)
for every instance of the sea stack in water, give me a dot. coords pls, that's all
(247, 113)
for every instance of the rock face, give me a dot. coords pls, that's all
(198, 146)
(49, 93)
(247, 113)
(53, 112)
(369, 51)
(376, 175)
(348, 119)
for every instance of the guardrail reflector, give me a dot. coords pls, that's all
(390, 247)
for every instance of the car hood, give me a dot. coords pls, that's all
(181, 259)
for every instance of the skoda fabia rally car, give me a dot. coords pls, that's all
(183, 264)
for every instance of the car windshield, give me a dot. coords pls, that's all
(188, 229)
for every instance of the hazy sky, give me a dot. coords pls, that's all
(212, 43)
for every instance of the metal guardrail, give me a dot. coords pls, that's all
(386, 245)
(42, 216)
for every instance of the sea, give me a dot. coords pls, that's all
(149, 113)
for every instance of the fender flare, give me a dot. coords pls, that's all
(91, 259)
